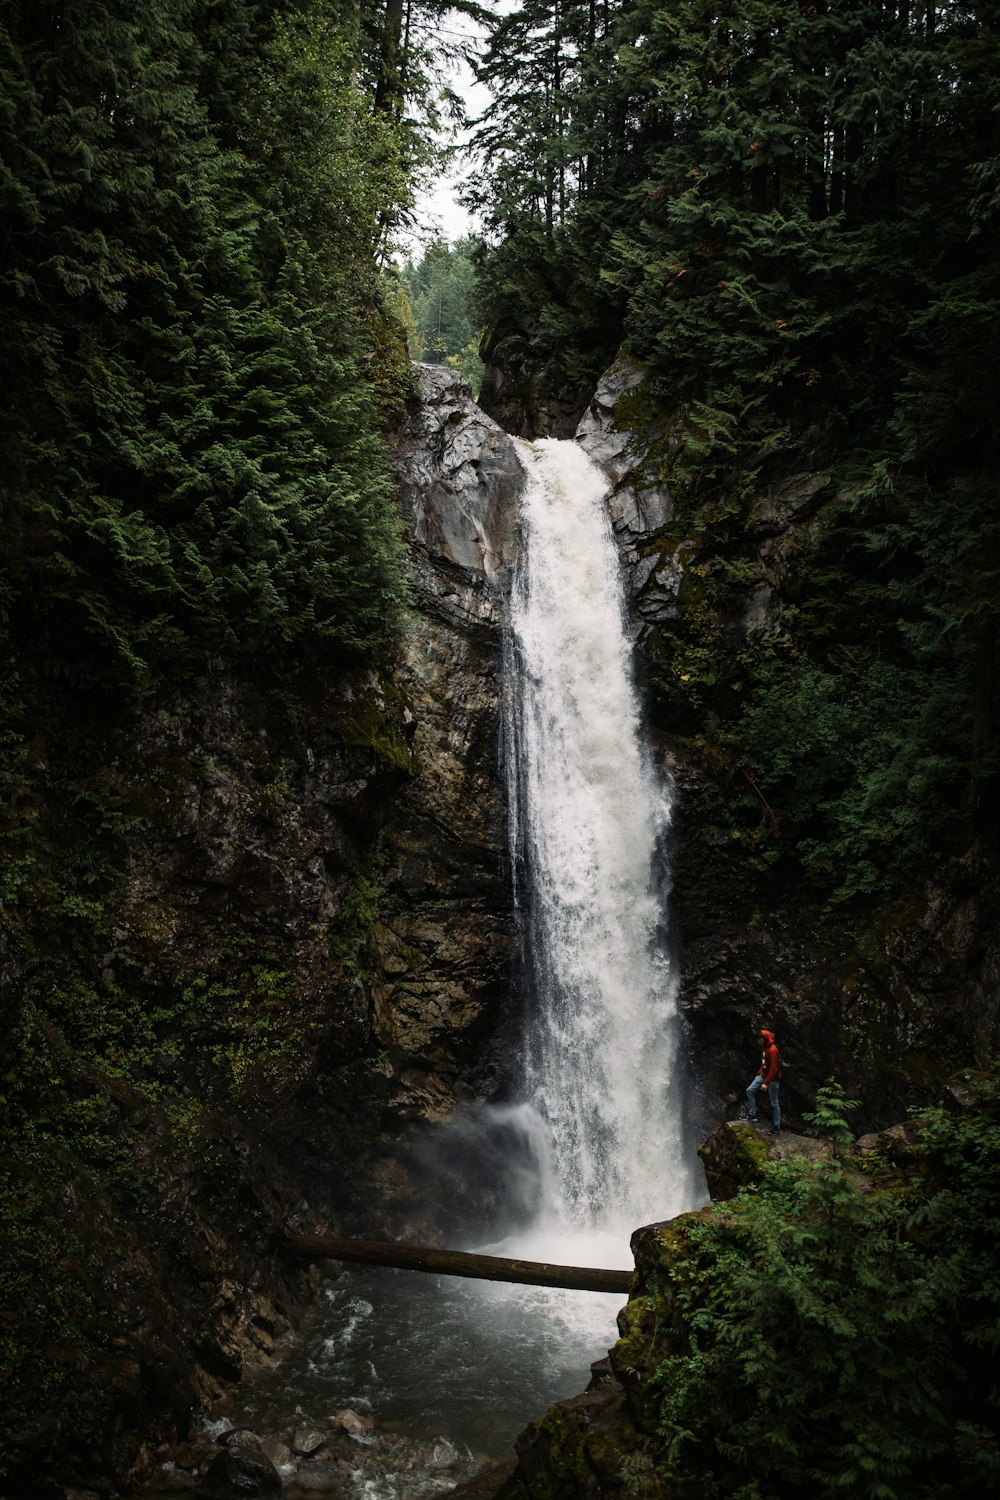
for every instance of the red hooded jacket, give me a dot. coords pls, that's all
(770, 1063)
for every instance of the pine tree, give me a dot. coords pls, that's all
(191, 454)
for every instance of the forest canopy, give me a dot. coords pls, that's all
(788, 212)
(440, 290)
(198, 201)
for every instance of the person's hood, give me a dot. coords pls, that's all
(768, 1037)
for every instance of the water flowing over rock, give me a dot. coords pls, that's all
(864, 1006)
(590, 818)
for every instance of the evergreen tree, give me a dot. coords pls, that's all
(788, 212)
(441, 291)
(191, 455)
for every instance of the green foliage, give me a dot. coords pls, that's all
(857, 767)
(832, 1341)
(198, 360)
(440, 289)
(469, 364)
(829, 1117)
(191, 453)
(788, 212)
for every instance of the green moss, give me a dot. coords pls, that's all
(380, 722)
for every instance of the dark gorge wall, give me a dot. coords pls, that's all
(301, 958)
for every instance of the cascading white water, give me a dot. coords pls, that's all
(589, 817)
(596, 1144)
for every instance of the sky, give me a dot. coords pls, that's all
(438, 210)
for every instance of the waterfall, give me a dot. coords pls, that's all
(589, 819)
(594, 1147)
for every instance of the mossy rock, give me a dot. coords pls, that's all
(578, 1448)
(733, 1157)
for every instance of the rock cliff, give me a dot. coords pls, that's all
(307, 957)
(444, 934)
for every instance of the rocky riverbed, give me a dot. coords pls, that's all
(343, 1456)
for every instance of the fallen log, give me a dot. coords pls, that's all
(457, 1263)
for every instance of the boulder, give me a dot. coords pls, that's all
(733, 1156)
(895, 1147)
(443, 1456)
(241, 1473)
(352, 1422)
(736, 1153)
(577, 1448)
(278, 1452)
(328, 1477)
(307, 1439)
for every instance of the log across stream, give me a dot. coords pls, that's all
(458, 1263)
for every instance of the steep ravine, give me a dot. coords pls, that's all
(307, 961)
(316, 928)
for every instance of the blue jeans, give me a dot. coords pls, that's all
(772, 1094)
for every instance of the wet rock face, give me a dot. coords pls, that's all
(524, 389)
(887, 1009)
(637, 509)
(241, 1473)
(444, 936)
(460, 479)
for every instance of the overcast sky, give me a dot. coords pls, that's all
(439, 211)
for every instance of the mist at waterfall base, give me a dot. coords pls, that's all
(590, 1143)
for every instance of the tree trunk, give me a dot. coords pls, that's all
(388, 90)
(457, 1263)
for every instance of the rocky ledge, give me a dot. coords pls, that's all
(594, 1445)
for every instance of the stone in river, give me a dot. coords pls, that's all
(240, 1473)
(352, 1422)
(329, 1476)
(307, 1440)
(443, 1456)
(278, 1452)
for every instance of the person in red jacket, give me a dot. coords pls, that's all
(769, 1077)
